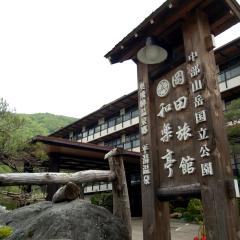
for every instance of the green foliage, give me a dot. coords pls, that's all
(233, 110)
(9, 204)
(193, 212)
(233, 114)
(5, 169)
(103, 199)
(10, 141)
(5, 232)
(17, 129)
(43, 123)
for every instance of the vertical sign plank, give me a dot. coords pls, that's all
(220, 212)
(156, 222)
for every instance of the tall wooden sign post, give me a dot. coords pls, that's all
(183, 138)
(183, 141)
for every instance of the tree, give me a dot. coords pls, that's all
(232, 116)
(14, 147)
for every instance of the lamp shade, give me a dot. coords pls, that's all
(151, 53)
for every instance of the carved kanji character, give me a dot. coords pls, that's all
(198, 101)
(204, 151)
(187, 165)
(164, 109)
(207, 169)
(142, 86)
(197, 85)
(145, 148)
(146, 179)
(178, 78)
(169, 162)
(195, 70)
(201, 116)
(166, 132)
(184, 132)
(192, 56)
(144, 129)
(180, 103)
(203, 134)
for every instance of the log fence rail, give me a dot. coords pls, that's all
(116, 175)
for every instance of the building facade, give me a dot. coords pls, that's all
(116, 124)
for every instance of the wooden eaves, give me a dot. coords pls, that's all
(222, 15)
(75, 156)
(223, 55)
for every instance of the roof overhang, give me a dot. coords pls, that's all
(82, 156)
(165, 25)
(223, 55)
(105, 111)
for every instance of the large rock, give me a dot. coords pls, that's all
(76, 220)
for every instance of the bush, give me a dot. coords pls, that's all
(103, 199)
(5, 232)
(194, 211)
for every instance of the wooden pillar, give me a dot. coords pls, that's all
(128, 180)
(121, 205)
(156, 217)
(220, 212)
(53, 167)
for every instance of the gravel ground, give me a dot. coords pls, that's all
(179, 230)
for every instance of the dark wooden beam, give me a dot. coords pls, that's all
(179, 192)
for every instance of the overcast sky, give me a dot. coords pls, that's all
(51, 53)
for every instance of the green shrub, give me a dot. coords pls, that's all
(5, 232)
(103, 199)
(9, 204)
(194, 211)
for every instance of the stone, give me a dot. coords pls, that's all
(75, 220)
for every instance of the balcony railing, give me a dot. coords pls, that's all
(110, 129)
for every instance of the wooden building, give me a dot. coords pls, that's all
(116, 124)
(83, 144)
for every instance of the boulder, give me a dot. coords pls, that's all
(76, 220)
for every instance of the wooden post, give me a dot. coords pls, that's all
(220, 212)
(53, 167)
(121, 206)
(81, 193)
(156, 217)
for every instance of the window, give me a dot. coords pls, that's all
(136, 143)
(97, 129)
(135, 113)
(84, 134)
(127, 116)
(104, 126)
(221, 77)
(121, 145)
(117, 142)
(229, 72)
(134, 136)
(80, 135)
(119, 120)
(111, 122)
(127, 138)
(127, 145)
(91, 131)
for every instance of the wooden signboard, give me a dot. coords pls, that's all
(183, 141)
